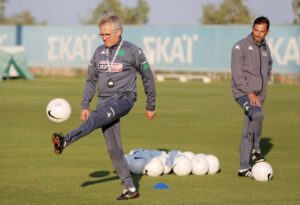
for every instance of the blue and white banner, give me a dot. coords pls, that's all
(7, 35)
(170, 48)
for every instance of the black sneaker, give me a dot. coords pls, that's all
(245, 173)
(257, 157)
(127, 194)
(58, 141)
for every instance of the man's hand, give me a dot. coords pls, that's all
(254, 101)
(150, 114)
(84, 114)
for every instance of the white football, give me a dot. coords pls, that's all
(154, 167)
(262, 171)
(213, 164)
(166, 162)
(136, 165)
(133, 151)
(173, 154)
(200, 165)
(58, 110)
(128, 158)
(190, 155)
(143, 155)
(182, 165)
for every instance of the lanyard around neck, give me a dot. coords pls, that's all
(109, 64)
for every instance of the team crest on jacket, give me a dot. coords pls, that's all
(113, 68)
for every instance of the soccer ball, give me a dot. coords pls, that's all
(134, 151)
(128, 158)
(190, 155)
(173, 154)
(154, 167)
(155, 153)
(182, 165)
(137, 164)
(262, 171)
(213, 164)
(167, 163)
(58, 110)
(200, 165)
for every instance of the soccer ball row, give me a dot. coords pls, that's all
(156, 163)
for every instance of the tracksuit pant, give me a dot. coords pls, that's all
(252, 129)
(107, 116)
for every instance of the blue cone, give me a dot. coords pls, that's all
(161, 186)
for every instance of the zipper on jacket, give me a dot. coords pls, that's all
(262, 77)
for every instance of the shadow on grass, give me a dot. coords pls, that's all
(266, 145)
(88, 183)
(100, 174)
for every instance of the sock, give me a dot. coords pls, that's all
(132, 189)
(256, 151)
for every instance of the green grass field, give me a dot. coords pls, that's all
(202, 118)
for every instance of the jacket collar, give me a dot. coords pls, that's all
(116, 45)
(250, 38)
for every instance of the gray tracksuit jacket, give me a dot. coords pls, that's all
(120, 78)
(251, 65)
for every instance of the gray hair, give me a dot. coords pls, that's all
(109, 17)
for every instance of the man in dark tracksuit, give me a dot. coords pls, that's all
(251, 66)
(112, 70)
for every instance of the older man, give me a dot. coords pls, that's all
(112, 70)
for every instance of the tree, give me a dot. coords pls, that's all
(229, 12)
(2, 9)
(296, 9)
(136, 15)
(24, 18)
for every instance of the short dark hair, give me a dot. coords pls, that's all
(262, 20)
